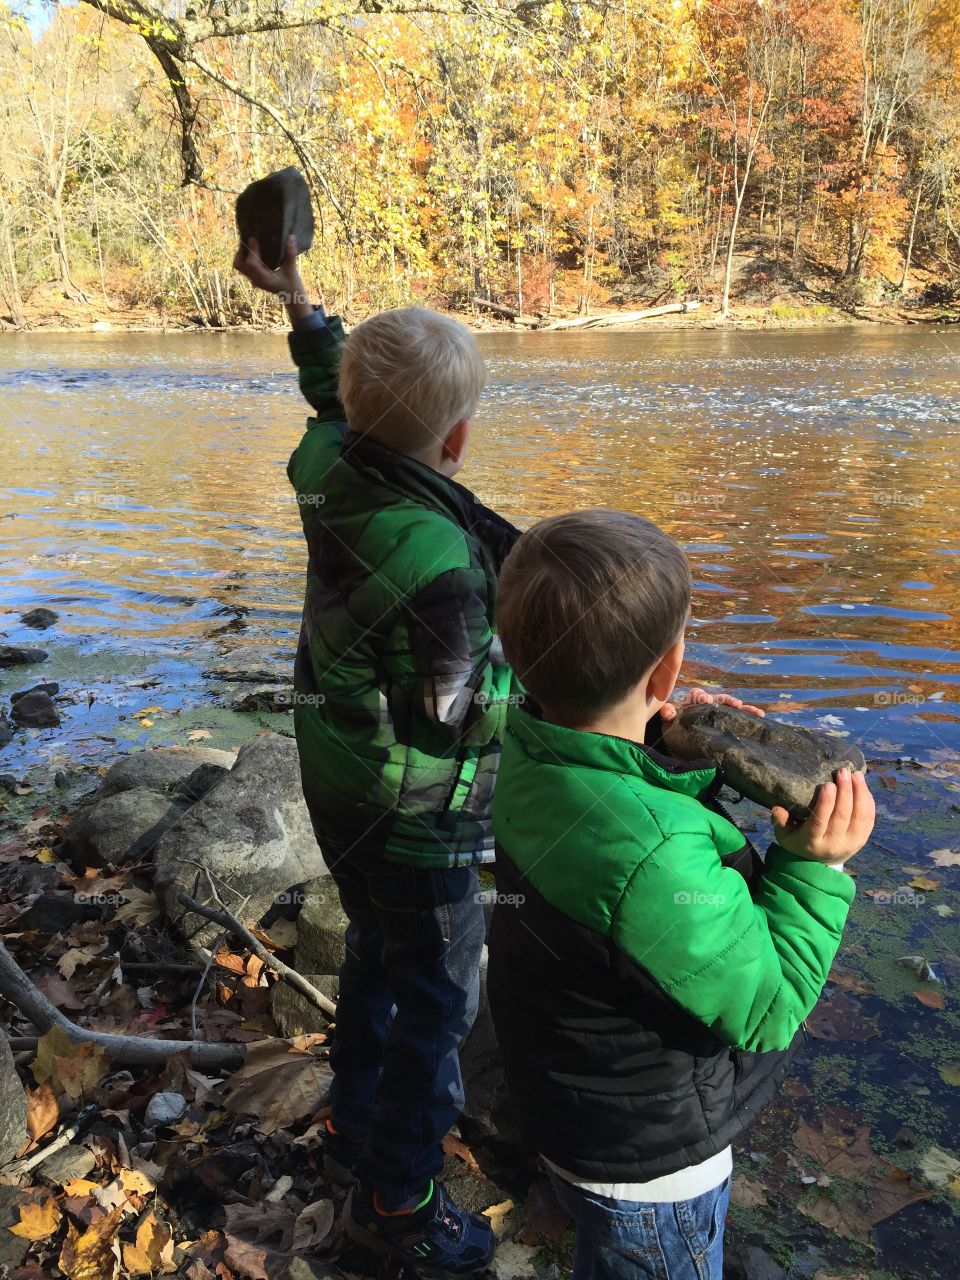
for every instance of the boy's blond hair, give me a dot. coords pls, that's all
(408, 376)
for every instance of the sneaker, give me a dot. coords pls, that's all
(437, 1240)
(340, 1155)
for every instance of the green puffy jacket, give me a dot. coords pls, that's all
(648, 973)
(400, 692)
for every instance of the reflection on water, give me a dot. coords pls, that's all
(811, 477)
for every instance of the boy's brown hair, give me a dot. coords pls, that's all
(587, 604)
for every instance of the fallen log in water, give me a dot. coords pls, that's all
(622, 317)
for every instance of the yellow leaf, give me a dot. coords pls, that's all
(46, 855)
(95, 1255)
(80, 1187)
(153, 1249)
(146, 724)
(68, 1066)
(140, 905)
(497, 1214)
(135, 1182)
(198, 735)
(37, 1221)
(148, 711)
(924, 882)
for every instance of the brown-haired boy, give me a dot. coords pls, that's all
(650, 974)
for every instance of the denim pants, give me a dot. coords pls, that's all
(409, 990)
(631, 1240)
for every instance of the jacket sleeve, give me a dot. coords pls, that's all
(316, 353)
(457, 658)
(749, 967)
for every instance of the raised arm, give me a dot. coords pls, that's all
(315, 340)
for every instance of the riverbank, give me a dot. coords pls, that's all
(790, 311)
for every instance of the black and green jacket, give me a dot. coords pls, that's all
(648, 974)
(400, 695)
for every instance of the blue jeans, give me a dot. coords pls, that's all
(630, 1240)
(409, 991)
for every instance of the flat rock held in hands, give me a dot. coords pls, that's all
(273, 209)
(769, 761)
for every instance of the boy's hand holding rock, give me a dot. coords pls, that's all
(839, 825)
(286, 281)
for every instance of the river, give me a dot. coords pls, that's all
(811, 475)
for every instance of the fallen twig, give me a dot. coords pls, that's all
(82, 1122)
(225, 920)
(16, 987)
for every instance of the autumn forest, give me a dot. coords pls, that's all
(549, 154)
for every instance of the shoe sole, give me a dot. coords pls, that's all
(384, 1249)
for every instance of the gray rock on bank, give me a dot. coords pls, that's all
(251, 830)
(14, 655)
(13, 1106)
(140, 798)
(39, 619)
(771, 762)
(35, 709)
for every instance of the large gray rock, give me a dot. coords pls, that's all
(167, 769)
(293, 1012)
(251, 831)
(36, 710)
(274, 208)
(121, 826)
(15, 655)
(321, 926)
(13, 1106)
(39, 618)
(771, 762)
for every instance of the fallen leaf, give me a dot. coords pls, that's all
(313, 1225)
(745, 1192)
(79, 1187)
(924, 882)
(278, 1083)
(950, 1071)
(146, 724)
(148, 711)
(42, 1111)
(943, 910)
(513, 1260)
(452, 1146)
(153, 1249)
(544, 1213)
(46, 855)
(850, 982)
(942, 1170)
(197, 735)
(839, 1019)
(140, 906)
(94, 1255)
(946, 857)
(932, 999)
(59, 992)
(69, 1066)
(71, 960)
(38, 1221)
(498, 1215)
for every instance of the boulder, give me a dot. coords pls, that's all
(252, 831)
(771, 762)
(39, 618)
(35, 709)
(321, 926)
(13, 1106)
(292, 1011)
(487, 1112)
(46, 686)
(13, 655)
(167, 769)
(120, 826)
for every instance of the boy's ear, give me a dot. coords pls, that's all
(454, 445)
(663, 678)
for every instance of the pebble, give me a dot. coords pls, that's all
(36, 709)
(14, 655)
(164, 1109)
